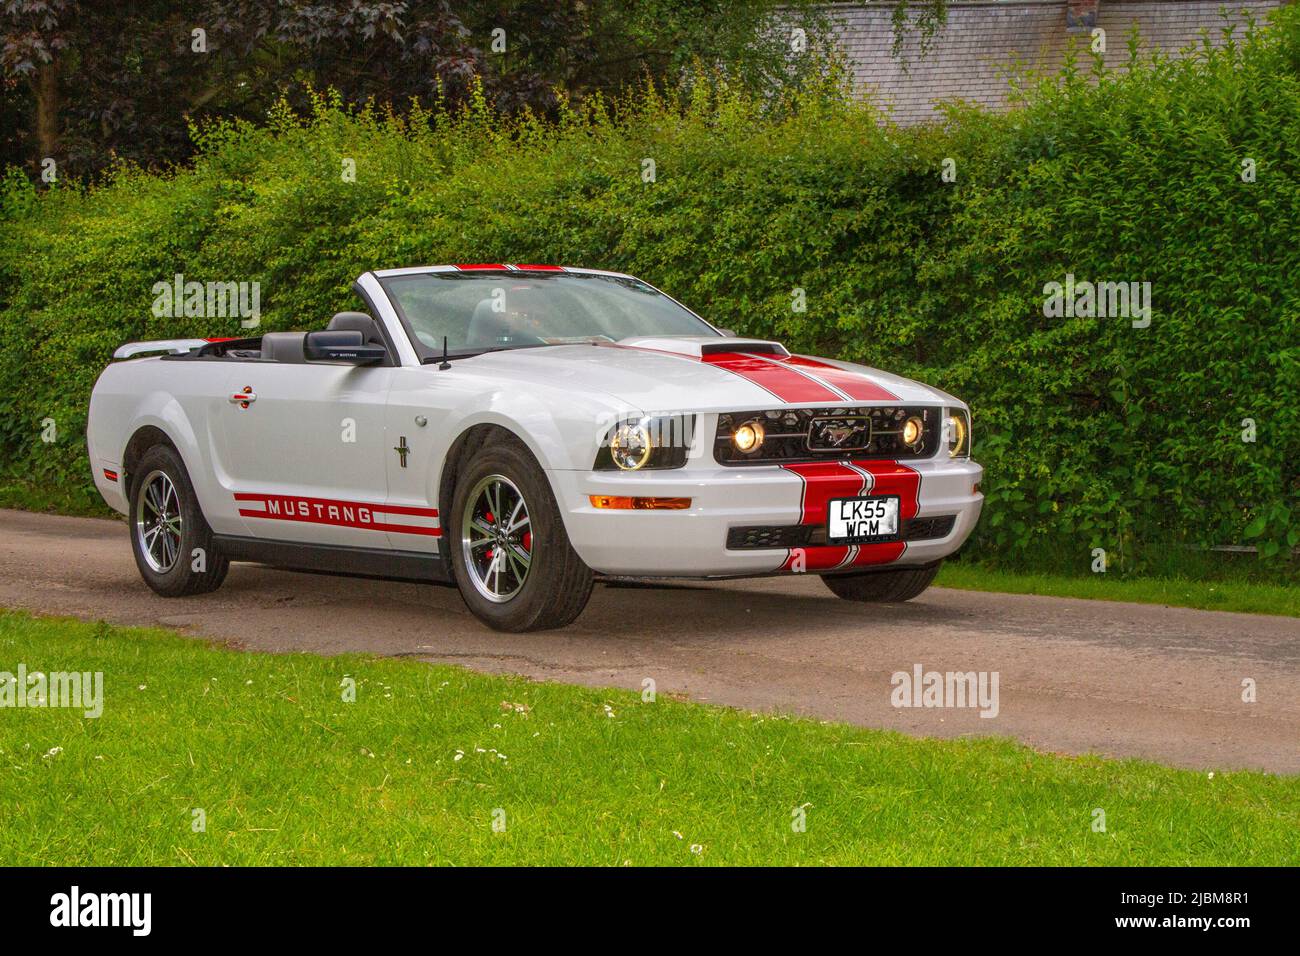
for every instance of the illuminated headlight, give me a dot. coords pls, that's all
(657, 441)
(748, 437)
(912, 429)
(956, 429)
(630, 446)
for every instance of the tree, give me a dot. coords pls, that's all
(930, 17)
(36, 33)
(93, 81)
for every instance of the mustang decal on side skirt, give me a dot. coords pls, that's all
(348, 514)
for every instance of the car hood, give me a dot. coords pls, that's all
(698, 374)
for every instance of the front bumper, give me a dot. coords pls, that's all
(693, 542)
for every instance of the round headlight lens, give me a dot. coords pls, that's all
(748, 436)
(912, 431)
(630, 446)
(956, 435)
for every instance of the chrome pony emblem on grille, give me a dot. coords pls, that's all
(845, 433)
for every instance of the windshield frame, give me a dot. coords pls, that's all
(426, 354)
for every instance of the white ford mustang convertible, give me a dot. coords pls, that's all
(519, 430)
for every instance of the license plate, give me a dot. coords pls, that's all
(861, 520)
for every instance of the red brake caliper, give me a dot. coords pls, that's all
(528, 541)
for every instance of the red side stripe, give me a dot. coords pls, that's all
(412, 529)
(406, 510)
(787, 385)
(392, 509)
(339, 522)
(472, 267)
(536, 268)
(856, 386)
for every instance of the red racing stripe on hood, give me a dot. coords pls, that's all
(786, 384)
(793, 380)
(781, 383)
(853, 384)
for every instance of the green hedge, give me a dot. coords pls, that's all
(1092, 432)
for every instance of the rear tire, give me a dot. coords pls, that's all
(902, 584)
(169, 535)
(509, 552)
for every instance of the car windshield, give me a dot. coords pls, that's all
(479, 312)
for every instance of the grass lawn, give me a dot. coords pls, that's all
(286, 772)
(1247, 596)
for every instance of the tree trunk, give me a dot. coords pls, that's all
(47, 110)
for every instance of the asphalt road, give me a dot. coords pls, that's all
(1074, 676)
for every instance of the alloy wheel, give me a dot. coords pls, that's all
(496, 538)
(158, 521)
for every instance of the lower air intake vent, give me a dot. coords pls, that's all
(768, 537)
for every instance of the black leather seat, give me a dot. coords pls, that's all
(285, 347)
(357, 322)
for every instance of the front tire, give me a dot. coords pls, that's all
(901, 584)
(170, 538)
(509, 552)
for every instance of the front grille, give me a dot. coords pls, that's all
(767, 537)
(786, 434)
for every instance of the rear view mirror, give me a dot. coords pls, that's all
(348, 347)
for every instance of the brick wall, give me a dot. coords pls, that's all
(969, 56)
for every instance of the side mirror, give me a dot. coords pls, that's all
(729, 333)
(347, 347)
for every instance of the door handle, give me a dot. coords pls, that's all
(245, 398)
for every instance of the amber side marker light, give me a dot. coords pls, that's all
(624, 503)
